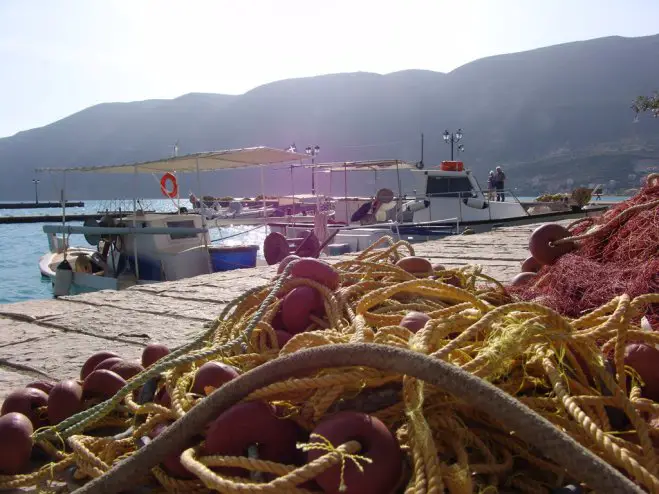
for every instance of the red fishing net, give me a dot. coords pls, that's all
(621, 257)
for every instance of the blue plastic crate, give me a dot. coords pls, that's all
(226, 258)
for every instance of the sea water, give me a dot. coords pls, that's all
(23, 244)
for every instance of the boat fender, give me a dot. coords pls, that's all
(362, 211)
(475, 203)
(63, 279)
(414, 206)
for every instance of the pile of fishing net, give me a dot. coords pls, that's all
(616, 253)
(379, 374)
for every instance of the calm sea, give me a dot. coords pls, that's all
(21, 245)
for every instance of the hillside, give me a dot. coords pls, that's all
(546, 114)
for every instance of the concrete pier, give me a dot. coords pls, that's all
(50, 339)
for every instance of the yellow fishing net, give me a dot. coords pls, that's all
(550, 363)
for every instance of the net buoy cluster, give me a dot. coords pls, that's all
(353, 427)
(577, 268)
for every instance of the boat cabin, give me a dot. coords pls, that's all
(171, 256)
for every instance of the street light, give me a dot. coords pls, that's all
(452, 138)
(36, 190)
(313, 151)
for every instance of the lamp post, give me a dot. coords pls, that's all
(313, 151)
(452, 138)
(36, 190)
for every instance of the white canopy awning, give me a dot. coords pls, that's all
(214, 160)
(375, 165)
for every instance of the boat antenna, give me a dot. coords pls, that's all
(420, 164)
(421, 149)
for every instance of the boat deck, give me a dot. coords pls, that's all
(50, 339)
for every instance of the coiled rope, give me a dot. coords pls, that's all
(475, 392)
(482, 366)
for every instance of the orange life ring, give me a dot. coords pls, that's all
(168, 177)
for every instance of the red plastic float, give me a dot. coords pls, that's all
(253, 423)
(417, 266)
(102, 383)
(523, 278)
(127, 369)
(414, 321)
(309, 246)
(643, 359)
(541, 243)
(377, 443)
(26, 401)
(531, 265)
(44, 386)
(318, 271)
(275, 248)
(64, 401)
(15, 443)
(212, 375)
(282, 337)
(108, 363)
(152, 353)
(298, 305)
(91, 363)
(285, 262)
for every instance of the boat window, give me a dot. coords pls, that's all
(181, 224)
(448, 186)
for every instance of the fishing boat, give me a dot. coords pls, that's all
(447, 200)
(141, 247)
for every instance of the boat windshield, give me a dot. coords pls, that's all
(448, 186)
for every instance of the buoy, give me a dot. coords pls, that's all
(380, 475)
(531, 265)
(310, 245)
(275, 248)
(541, 243)
(63, 279)
(523, 278)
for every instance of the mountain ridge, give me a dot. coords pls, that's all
(567, 102)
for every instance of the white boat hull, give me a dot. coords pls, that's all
(82, 282)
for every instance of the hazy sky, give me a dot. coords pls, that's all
(58, 57)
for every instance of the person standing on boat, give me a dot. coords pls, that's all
(490, 186)
(499, 179)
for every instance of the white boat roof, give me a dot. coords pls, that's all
(214, 160)
(365, 165)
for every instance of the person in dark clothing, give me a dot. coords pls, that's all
(499, 179)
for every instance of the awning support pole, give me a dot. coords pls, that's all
(265, 213)
(203, 216)
(137, 264)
